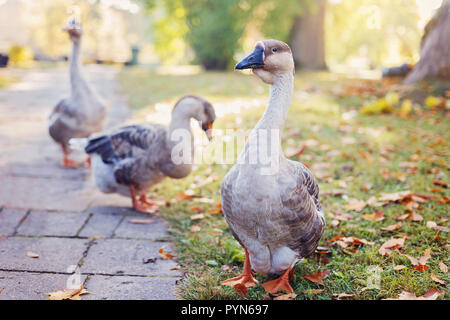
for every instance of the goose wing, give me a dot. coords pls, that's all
(65, 121)
(301, 218)
(130, 148)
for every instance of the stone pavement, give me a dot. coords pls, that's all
(60, 215)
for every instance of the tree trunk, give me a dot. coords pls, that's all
(434, 60)
(308, 38)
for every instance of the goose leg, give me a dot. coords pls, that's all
(151, 205)
(137, 204)
(281, 283)
(88, 162)
(245, 280)
(67, 163)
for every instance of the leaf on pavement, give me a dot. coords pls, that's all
(165, 255)
(72, 293)
(31, 254)
(141, 221)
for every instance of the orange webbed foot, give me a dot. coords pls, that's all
(279, 284)
(67, 163)
(244, 281)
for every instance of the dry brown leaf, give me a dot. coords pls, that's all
(433, 225)
(432, 294)
(176, 268)
(197, 216)
(339, 215)
(441, 183)
(288, 296)
(399, 267)
(377, 216)
(195, 228)
(396, 196)
(32, 254)
(317, 277)
(436, 279)
(443, 267)
(391, 245)
(342, 296)
(65, 294)
(354, 204)
(165, 255)
(141, 221)
(392, 227)
(217, 208)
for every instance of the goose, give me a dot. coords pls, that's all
(273, 209)
(132, 159)
(81, 114)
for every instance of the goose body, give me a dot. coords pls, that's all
(272, 207)
(132, 159)
(81, 114)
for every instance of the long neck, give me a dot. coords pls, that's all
(280, 99)
(77, 81)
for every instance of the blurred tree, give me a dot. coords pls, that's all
(307, 37)
(435, 48)
(376, 31)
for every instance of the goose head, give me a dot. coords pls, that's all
(269, 58)
(199, 109)
(73, 28)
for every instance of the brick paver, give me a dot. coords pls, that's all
(60, 215)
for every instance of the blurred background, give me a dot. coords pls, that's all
(341, 35)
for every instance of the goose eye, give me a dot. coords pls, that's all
(274, 49)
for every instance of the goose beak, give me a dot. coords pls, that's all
(208, 130)
(253, 60)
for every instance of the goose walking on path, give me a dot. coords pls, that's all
(81, 114)
(272, 209)
(132, 159)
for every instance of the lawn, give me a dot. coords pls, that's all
(356, 158)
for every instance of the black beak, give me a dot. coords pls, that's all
(208, 130)
(253, 60)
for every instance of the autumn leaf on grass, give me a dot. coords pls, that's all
(441, 183)
(287, 296)
(420, 264)
(317, 277)
(32, 254)
(377, 216)
(436, 279)
(391, 245)
(217, 208)
(195, 228)
(165, 255)
(197, 216)
(431, 294)
(187, 195)
(396, 196)
(392, 227)
(354, 204)
(443, 267)
(344, 242)
(71, 293)
(412, 215)
(339, 215)
(433, 225)
(342, 296)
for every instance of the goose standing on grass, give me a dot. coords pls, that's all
(274, 214)
(83, 112)
(132, 159)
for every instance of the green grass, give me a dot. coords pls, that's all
(320, 111)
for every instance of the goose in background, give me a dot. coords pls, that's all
(132, 159)
(81, 114)
(274, 214)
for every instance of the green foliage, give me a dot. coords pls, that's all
(20, 55)
(384, 31)
(215, 27)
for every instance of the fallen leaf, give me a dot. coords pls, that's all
(399, 267)
(396, 196)
(339, 215)
(392, 227)
(436, 279)
(342, 296)
(443, 267)
(217, 208)
(141, 221)
(356, 205)
(32, 254)
(225, 267)
(288, 296)
(433, 225)
(197, 216)
(377, 216)
(317, 277)
(313, 291)
(432, 294)
(165, 255)
(391, 245)
(176, 268)
(195, 228)
(65, 294)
